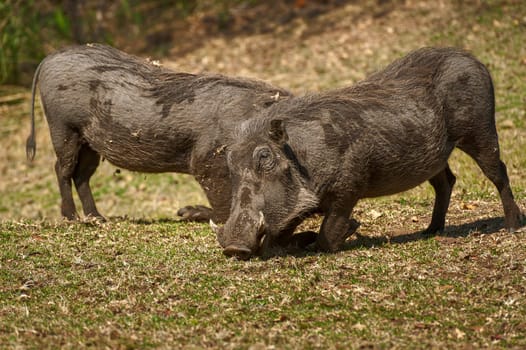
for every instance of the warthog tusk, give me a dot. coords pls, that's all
(261, 222)
(263, 240)
(214, 227)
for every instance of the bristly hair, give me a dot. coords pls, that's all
(415, 73)
(169, 87)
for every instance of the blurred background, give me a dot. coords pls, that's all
(254, 37)
(301, 45)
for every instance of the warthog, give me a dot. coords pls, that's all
(386, 134)
(101, 102)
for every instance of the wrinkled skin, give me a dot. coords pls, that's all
(101, 102)
(385, 135)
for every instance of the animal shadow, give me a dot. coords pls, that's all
(143, 221)
(481, 226)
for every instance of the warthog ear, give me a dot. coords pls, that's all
(277, 131)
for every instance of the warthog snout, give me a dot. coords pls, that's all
(249, 243)
(238, 251)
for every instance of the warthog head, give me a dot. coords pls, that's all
(269, 191)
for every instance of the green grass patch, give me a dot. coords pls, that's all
(154, 284)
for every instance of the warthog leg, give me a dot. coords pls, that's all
(442, 183)
(198, 213)
(88, 161)
(488, 159)
(67, 145)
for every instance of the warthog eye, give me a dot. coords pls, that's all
(264, 158)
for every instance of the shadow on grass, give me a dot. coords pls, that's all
(482, 226)
(142, 221)
(189, 214)
(146, 222)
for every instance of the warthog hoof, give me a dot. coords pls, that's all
(303, 239)
(198, 213)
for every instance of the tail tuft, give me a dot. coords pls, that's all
(31, 148)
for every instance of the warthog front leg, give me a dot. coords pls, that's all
(336, 228)
(198, 213)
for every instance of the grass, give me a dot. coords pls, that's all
(159, 284)
(146, 280)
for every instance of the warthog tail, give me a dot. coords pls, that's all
(31, 145)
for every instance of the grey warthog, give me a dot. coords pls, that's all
(386, 134)
(101, 102)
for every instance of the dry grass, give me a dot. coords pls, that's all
(164, 284)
